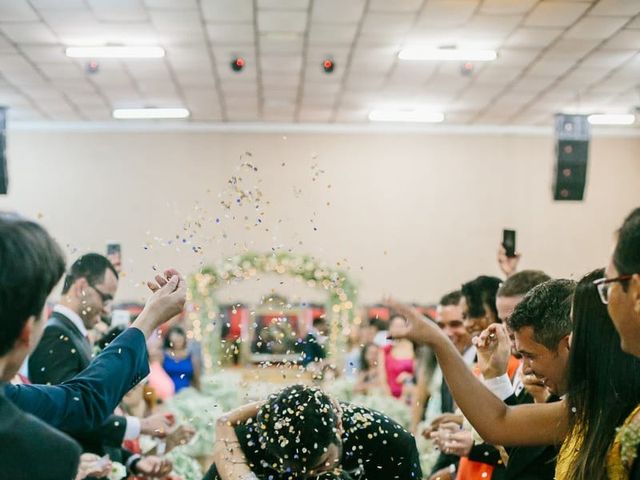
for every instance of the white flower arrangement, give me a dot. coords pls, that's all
(118, 471)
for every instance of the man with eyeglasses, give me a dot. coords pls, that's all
(620, 289)
(65, 349)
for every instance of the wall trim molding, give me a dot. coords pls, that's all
(303, 128)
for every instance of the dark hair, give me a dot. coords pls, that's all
(31, 265)
(167, 338)
(364, 364)
(91, 266)
(604, 385)
(480, 292)
(337, 475)
(546, 309)
(520, 283)
(296, 427)
(378, 323)
(626, 256)
(451, 298)
(319, 320)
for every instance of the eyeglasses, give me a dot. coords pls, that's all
(603, 284)
(105, 297)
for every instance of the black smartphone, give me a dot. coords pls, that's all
(509, 242)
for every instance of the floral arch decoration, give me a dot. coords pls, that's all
(203, 311)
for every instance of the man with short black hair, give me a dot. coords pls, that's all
(541, 324)
(31, 265)
(542, 315)
(65, 348)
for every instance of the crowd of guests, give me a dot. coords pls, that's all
(524, 377)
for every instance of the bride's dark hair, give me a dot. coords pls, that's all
(604, 382)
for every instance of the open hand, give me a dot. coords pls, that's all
(167, 301)
(417, 328)
(494, 350)
(157, 425)
(453, 440)
(92, 465)
(153, 467)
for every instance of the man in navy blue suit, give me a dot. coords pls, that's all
(31, 264)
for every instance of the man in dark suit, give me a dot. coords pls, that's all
(32, 263)
(66, 350)
(543, 315)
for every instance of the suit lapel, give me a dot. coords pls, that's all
(80, 342)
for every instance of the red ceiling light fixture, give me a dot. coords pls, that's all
(237, 64)
(328, 65)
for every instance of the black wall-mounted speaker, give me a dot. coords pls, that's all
(572, 157)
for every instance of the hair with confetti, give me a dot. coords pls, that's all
(296, 427)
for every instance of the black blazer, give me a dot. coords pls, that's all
(530, 463)
(31, 450)
(63, 352)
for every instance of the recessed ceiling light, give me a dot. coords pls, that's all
(149, 113)
(406, 115)
(115, 52)
(612, 119)
(447, 54)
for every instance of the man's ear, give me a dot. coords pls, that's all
(565, 343)
(24, 339)
(634, 292)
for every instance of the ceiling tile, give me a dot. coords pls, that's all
(58, 4)
(376, 23)
(283, 4)
(281, 46)
(627, 8)
(595, 28)
(555, 14)
(285, 64)
(337, 11)
(533, 37)
(609, 58)
(224, 11)
(385, 6)
(624, 39)
(61, 70)
(321, 34)
(118, 10)
(507, 7)
(282, 21)
(224, 34)
(447, 13)
(17, 11)
(571, 49)
(171, 4)
(550, 66)
(29, 33)
(498, 75)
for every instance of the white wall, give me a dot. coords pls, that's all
(413, 215)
